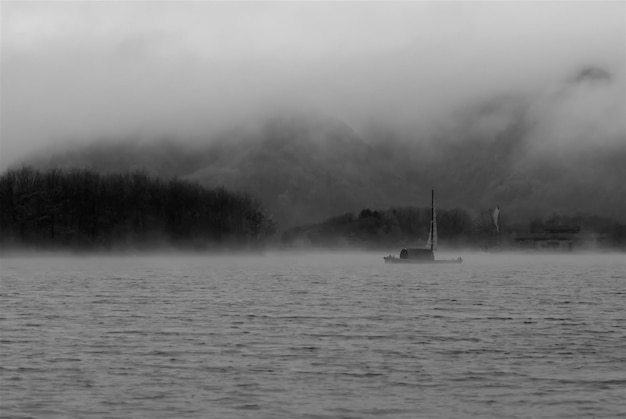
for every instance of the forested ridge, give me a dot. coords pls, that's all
(305, 170)
(534, 151)
(409, 226)
(84, 209)
(81, 208)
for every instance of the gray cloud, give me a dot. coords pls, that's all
(85, 71)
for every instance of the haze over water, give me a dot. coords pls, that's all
(317, 336)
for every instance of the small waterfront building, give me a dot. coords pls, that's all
(557, 237)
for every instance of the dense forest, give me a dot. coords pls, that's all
(83, 209)
(456, 228)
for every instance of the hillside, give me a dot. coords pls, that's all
(305, 171)
(534, 154)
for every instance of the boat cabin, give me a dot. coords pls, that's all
(418, 254)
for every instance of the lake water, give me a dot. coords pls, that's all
(292, 335)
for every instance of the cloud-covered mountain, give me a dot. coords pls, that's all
(562, 149)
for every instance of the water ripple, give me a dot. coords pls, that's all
(322, 336)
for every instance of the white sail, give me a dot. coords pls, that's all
(432, 234)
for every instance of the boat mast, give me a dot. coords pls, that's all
(432, 220)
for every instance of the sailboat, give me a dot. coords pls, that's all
(426, 254)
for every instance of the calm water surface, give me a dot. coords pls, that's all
(313, 336)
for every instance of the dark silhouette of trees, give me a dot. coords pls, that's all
(456, 227)
(454, 223)
(483, 223)
(83, 208)
(395, 225)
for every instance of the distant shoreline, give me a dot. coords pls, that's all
(20, 252)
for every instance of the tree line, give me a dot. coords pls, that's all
(81, 208)
(455, 227)
(391, 226)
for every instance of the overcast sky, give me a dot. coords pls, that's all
(89, 70)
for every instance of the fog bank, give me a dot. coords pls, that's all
(96, 70)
